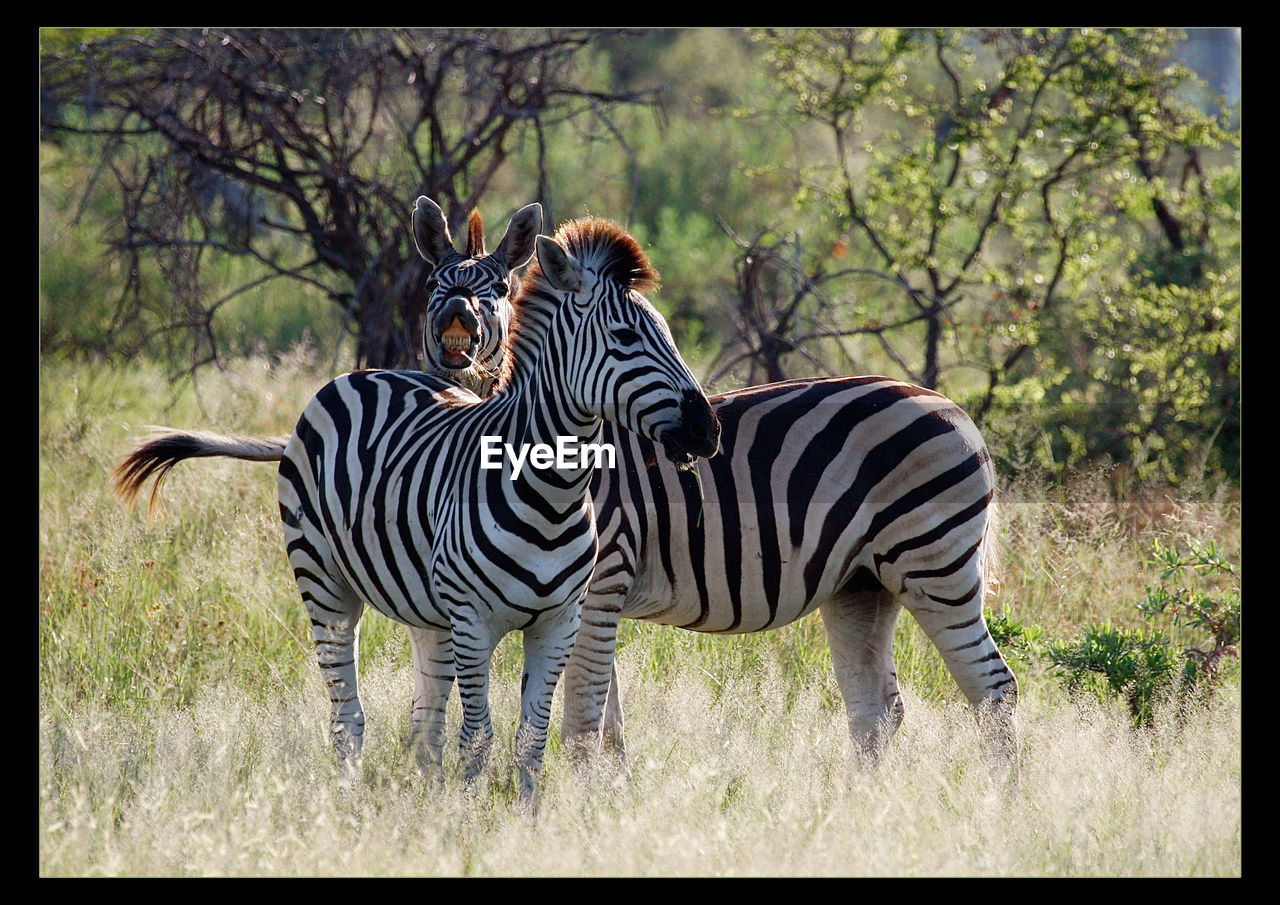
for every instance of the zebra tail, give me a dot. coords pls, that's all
(154, 457)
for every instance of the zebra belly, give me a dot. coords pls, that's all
(712, 565)
(396, 582)
(700, 602)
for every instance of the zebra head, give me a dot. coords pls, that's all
(622, 364)
(469, 295)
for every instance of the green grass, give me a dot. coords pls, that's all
(182, 719)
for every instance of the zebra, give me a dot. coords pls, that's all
(385, 501)
(855, 496)
(469, 295)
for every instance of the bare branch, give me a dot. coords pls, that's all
(307, 145)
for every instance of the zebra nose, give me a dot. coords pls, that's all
(456, 307)
(699, 424)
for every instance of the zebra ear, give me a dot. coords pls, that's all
(561, 269)
(517, 244)
(430, 232)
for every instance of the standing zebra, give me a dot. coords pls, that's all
(857, 496)
(386, 500)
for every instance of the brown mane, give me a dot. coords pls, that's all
(602, 245)
(609, 248)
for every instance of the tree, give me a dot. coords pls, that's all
(302, 151)
(975, 200)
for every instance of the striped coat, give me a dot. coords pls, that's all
(387, 500)
(856, 496)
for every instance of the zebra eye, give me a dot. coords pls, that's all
(432, 285)
(626, 336)
(501, 288)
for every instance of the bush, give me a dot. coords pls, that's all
(1146, 667)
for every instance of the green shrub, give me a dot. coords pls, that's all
(1215, 611)
(1147, 667)
(1138, 666)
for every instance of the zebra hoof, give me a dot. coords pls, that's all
(347, 744)
(528, 802)
(474, 755)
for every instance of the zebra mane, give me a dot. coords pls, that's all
(607, 248)
(600, 245)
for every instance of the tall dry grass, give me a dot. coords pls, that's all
(182, 720)
(735, 785)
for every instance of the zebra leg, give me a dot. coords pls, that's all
(334, 608)
(432, 682)
(547, 644)
(611, 731)
(860, 628)
(473, 645)
(335, 626)
(592, 711)
(960, 633)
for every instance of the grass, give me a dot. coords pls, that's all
(182, 720)
(742, 785)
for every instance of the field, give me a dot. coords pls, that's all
(182, 721)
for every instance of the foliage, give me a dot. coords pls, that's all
(1041, 210)
(1146, 667)
(1201, 611)
(1137, 665)
(1015, 637)
(1042, 223)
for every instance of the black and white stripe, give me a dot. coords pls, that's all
(384, 501)
(857, 495)
(469, 295)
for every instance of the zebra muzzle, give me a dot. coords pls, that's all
(696, 436)
(457, 344)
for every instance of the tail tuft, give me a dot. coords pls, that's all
(153, 458)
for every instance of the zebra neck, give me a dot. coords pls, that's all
(543, 414)
(545, 450)
(531, 331)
